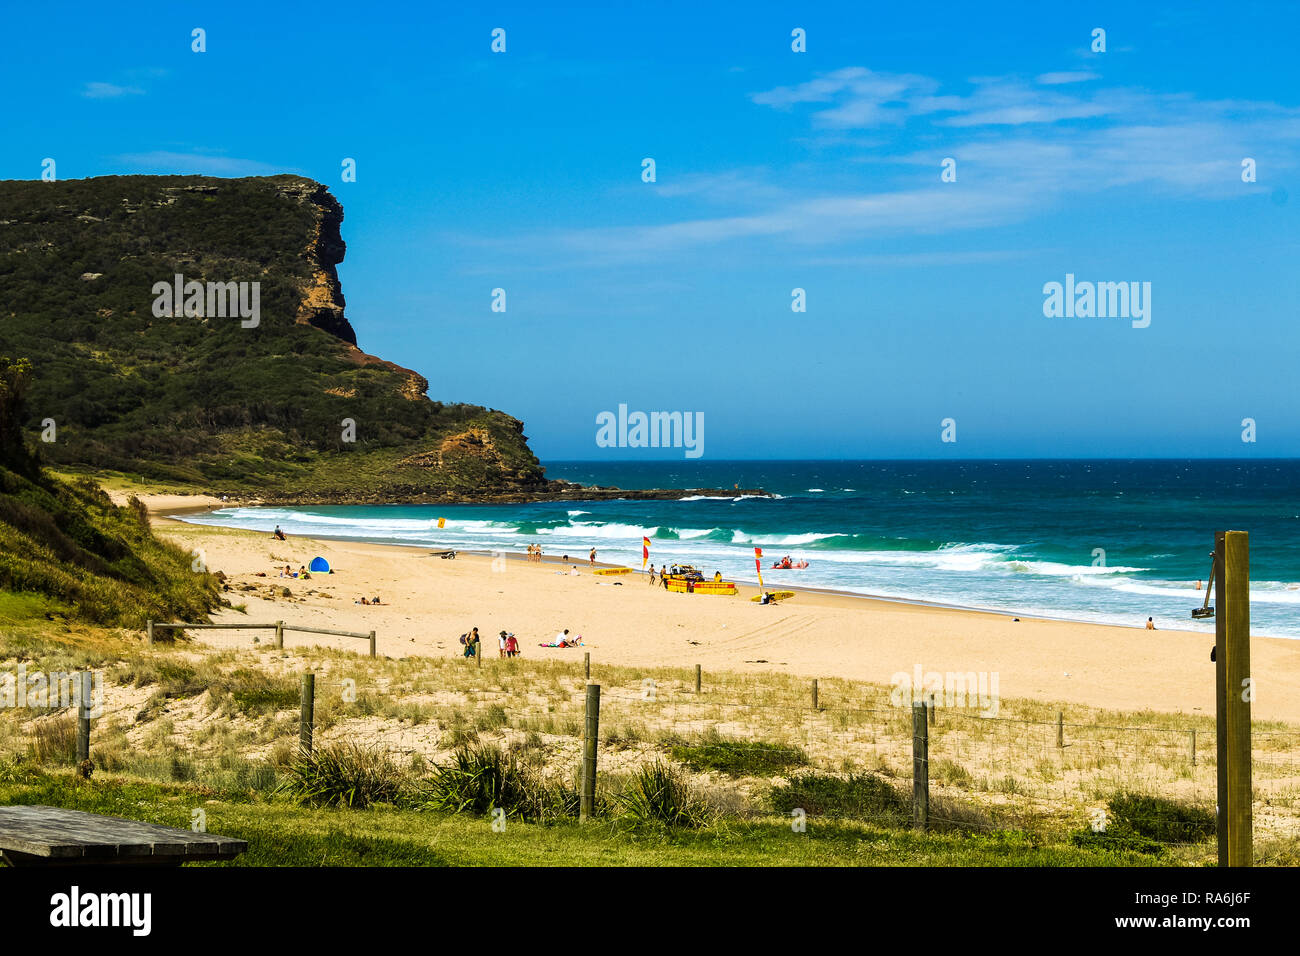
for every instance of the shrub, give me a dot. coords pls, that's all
(863, 796)
(1159, 819)
(739, 758)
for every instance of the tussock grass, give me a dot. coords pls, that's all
(343, 775)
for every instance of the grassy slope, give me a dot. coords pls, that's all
(67, 550)
(204, 403)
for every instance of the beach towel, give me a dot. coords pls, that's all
(574, 642)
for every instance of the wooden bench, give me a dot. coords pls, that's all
(53, 836)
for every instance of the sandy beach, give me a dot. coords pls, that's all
(430, 601)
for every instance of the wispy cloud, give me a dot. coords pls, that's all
(1067, 76)
(106, 91)
(1021, 146)
(199, 163)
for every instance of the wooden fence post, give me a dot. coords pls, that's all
(920, 766)
(1192, 745)
(148, 632)
(308, 701)
(1060, 729)
(934, 709)
(814, 693)
(590, 737)
(697, 678)
(279, 634)
(586, 664)
(372, 645)
(1232, 680)
(83, 717)
(478, 653)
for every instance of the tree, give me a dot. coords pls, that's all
(15, 377)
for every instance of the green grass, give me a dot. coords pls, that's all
(282, 834)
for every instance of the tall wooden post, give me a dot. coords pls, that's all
(308, 704)
(586, 664)
(1192, 746)
(1233, 691)
(697, 678)
(814, 693)
(478, 653)
(934, 708)
(148, 632)
(590, 736)
(279, 634)
(920, 766)
(83, 716)
(1060, 730)
(372, 646)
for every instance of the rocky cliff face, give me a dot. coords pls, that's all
(322, 296)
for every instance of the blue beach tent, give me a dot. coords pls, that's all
(319, 564)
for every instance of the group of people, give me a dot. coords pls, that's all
(534, 552)
(507, 643)
(373, 600)
(302, 572)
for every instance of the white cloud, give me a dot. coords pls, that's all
(105, 91)
(1066, 76)
(205, 164)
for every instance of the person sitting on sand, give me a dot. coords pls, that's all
(277, 533)
(361, 601)
(375, 600)
(1151, 625)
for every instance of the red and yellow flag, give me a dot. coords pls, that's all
(645, 552)
(758, 565)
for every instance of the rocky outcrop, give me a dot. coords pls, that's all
(322, 298)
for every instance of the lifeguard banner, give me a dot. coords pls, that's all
(758, 565)
(645, 552)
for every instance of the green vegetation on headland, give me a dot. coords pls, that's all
(67, 551)
(203, 403)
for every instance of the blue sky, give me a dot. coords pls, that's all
(775, 170)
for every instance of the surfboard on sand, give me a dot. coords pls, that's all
(779, 595)
(613, 571)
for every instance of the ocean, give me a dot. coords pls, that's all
(1087, 540)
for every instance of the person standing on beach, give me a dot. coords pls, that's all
(663, 576)
(652, 575)
(593, 557)
(512, 646)
(501, 644)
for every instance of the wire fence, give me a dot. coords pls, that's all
(756, 746)
(753, 754)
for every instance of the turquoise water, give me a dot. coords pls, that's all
(1019, 536)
